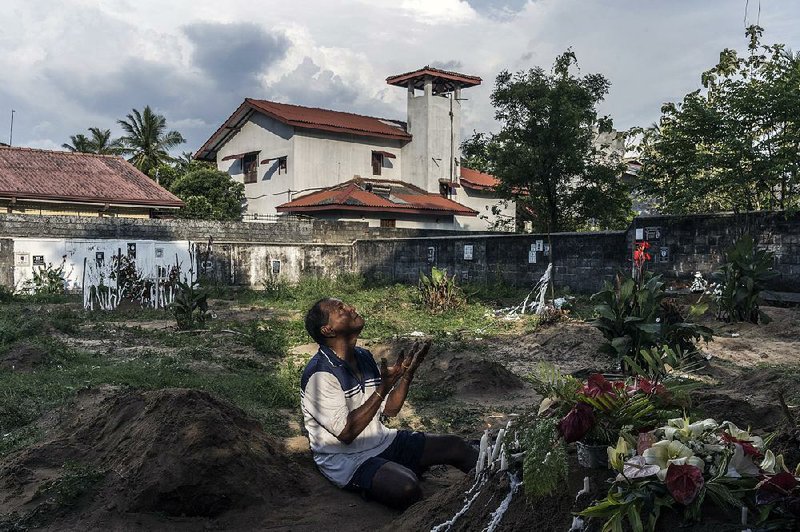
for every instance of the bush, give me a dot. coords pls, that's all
(439, 291)
(741, 280)
(190, 306)
(634, 316)
(6, 294)
(47, 280)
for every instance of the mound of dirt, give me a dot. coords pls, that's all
(748, 396)
(572, 346)
(23, 357)
(468, 375)
(545, 514)
(176, 452)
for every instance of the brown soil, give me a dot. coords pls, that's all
(182, 460)
(23, 357)
(172, 452)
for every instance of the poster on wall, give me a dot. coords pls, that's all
(159, 253)
(276, 267)
(100, 259)
(540, 245)
(652, 233)
(467, 251)
(532, 257)
(431, 254)
(547, 250)
(38, 260)
(131, 250)
(639, 234)
(22, 259)
(663, 253)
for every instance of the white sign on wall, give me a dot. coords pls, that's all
(532, 257)
(639, 234)
(22, 259)
(467, 251)
(540, 245)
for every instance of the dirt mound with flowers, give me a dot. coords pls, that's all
(492, 501)
(175, 452)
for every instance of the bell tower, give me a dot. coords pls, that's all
(431, 160)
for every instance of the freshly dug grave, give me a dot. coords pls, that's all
(468, 375)
(176, 452)
(572, 346)
(550, 513)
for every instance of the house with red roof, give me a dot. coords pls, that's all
(345, 166)
(47, 182)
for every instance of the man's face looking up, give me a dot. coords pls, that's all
(343, 320)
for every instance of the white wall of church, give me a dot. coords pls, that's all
(327, 159)
(271, 139)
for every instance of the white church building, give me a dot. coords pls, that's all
(344, 166)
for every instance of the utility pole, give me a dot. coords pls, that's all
(11, 134)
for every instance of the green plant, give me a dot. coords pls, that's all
(439, 291)
(741, 279)
(190, 306)
(47, 280)
(633, 316)
(544, 467)
(276, 287)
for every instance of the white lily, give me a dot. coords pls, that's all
(768, 464)
(741, 465)
(681, 428)
(743, 435)
(664, 453)
(636, 468)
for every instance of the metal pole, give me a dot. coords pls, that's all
(11, 134)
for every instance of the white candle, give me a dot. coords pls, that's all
(481, 462)
(484, 441)
(744, 515)
(503, 458)
(497, 443)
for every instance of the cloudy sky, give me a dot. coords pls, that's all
(71, 64)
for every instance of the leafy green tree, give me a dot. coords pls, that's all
(100, 142)
(546, 154)
(734, 144)
(210, 194)
(147, 140)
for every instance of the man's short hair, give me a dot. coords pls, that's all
(316, 318)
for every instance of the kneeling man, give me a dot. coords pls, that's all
(343, 395)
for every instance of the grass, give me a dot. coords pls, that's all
(257, 376)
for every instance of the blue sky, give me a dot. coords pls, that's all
(70, 65)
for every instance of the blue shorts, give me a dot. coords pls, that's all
(406, 450)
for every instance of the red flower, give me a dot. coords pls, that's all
(747, 446)
(647, 387)
(577, 423)
(684, 482)
(775, 488)
(640, 255)
(597, 385)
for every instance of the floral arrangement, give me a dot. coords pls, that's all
(685, 462)
(596, 410)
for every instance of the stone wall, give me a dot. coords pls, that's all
(683, 245)
(291, 231)
(247, 253)
(581, 260)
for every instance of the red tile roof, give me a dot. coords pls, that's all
(32, 174)
(304, 117)
(478, 180)
(453, 79)
(354, 196)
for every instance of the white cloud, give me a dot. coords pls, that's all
(72, 64)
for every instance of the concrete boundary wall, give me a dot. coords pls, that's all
(245, 254)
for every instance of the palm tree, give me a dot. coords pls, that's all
(100, 142)
(80, 144)
(103, 144)
(147, 141)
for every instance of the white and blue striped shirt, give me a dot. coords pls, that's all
(329, 391)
